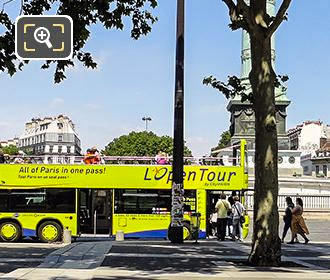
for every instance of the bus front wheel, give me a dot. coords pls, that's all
(10, 231)
(49, 232)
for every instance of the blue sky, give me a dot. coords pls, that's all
(136, 78)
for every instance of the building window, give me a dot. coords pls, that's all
(59, 149)
(60, 138)
(68, 148)
(325, 170)
(292, 160)
(317, 170)
(51, 148)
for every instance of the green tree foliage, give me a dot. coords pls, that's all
(10, 150)
(224, 140)
(84, 13)
(141, 144)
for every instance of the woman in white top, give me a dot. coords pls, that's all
(238, 211)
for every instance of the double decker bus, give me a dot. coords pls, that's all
(41, 200)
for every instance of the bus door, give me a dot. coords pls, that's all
(102, 208)
(211, 199)
(95, 211)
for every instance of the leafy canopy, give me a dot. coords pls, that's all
(10, 150)
(84, 13)
(141, 144)
(224, 140)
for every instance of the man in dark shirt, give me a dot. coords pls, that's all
(287, 216)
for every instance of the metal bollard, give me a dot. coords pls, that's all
(67, 236)
(120, 235)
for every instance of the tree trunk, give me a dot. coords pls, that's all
(266, 246)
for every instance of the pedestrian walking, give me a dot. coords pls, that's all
(298, 225)
(238, 216)
(222, 207)
(287, 218)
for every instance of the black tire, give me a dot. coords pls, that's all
(10, 231)
(49, 232)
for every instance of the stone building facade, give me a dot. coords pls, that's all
(6, 143)
(321, 159)
(311, 138)
(54, 138)
(306, 136)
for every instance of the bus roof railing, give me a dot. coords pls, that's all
(68, 159)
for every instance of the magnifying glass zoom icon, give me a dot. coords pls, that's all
(42, 35)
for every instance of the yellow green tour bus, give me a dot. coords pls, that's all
(41, 200)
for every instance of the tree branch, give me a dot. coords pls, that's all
(244, 9)
(280, 16)
(240, 15)
(232, 9)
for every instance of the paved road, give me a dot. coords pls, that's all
(24, 254)
(147, 259)
(319, 231)
(133, 259)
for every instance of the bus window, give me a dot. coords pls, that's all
(49, 200)
(61, 200)
(150, 201)
(189, 201)
(27, 200)
(142, 201)
(3, 200)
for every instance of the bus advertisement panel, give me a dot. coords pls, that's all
(118, 176)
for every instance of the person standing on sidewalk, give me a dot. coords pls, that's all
(222, 207)
(287, 218)
(298, 224)
(238, 211)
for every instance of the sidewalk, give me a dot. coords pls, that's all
(162, 260)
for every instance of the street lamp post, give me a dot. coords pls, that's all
(175, 233)
(146, 119)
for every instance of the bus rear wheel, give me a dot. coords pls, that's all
(10, 231)
(49, 232)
